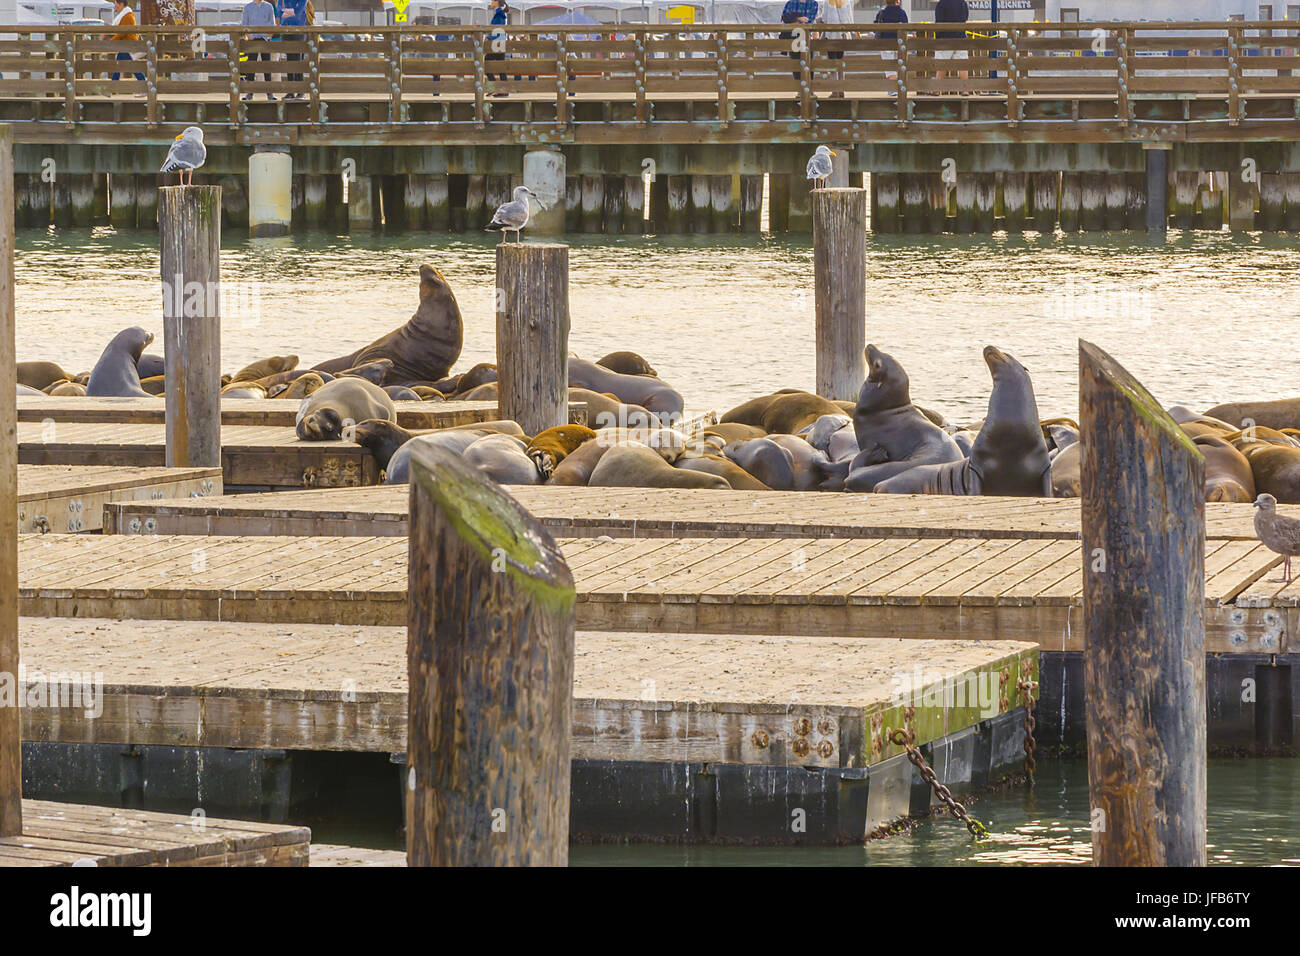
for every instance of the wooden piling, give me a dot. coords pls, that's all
(964, 201)
(701, 198)
(190, 239)
(26, 200)
(437, 202)
(533, 334)
(414, 202)
(986, 194)
(1291, 197)
(1212, 199)
(1070, 212)
(490, 650)
(363, 203)
(751, 204)
(121, 201)
(1045, 188)
(885, 195)
(1272, 202)
(633, 205)
(679, 204)
(100, 186)
(592, 202)
(1092, 202)
(11, 771)
(1143, 531)
(914, 200)
(778, 202)
(936, 216)
(234, 202)
(476, 215)
(614, 199)
(573, 204)
(81, 193)
(61, 203)
(840, 279)
(315, 192)
(1116, 214)
(721, 205)
(1015, 201)
(1242, 197)
(799, 218)
(658, 204)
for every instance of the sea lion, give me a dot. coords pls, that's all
(1228, 476)
(1277, 414)
(633, 465)
(155, 384)
(1259, 433)
(605, 411)
(487, 392)
(766, 460)
(150, 365)
(578, 464)
(240, 390)
(397, 467)
(41, 375)
(500, 426)
(28, 390)
(893, 435)
(426, 347)
(819, 433)
(382, 438)
(377, 371)
(115, 373)
(83, 378)
(428, 394)
(503, 459)
(66, 389)
(1275, 469)
(480, 374)
(1059, 436)
(301, 387)
(784, 412)
(813, 470)
(400, 393)
(1066, 474)
(264, 367)
(734, 431)
(552, 446)
(340, 404)
(726, 469)
(648, 391)
(1009, 456)
(626, 363)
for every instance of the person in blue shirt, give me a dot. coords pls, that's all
(797, 11)
(293, 13)
(891, 12)
(500, 17)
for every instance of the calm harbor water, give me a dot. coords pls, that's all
(1205, 318)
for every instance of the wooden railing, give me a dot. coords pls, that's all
(1117, 61)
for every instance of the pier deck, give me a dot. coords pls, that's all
(71, 498)
(651, 512)
(916, 588)
(63, 834)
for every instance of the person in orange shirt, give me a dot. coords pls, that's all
(124, 16)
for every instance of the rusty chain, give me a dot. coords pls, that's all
(1026, 688)
(904, 739)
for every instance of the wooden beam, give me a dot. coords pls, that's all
(11, 776)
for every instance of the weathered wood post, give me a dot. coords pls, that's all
(11, 771)
(490, 666)
(1157, 168)
(840, 280)
(1143, 504)
(189, 225)
(532, 303)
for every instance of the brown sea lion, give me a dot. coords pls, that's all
(726, 469)
(265, 367)
(301, 387)
(400, 393)
(734, 431)
(634, 465)
(480, 374)
(648, 391)
(606, 411)
(1228, 476)
(379, 371)
(41, 375)
(578, 464)
(1278, 414)
(550, 447)
(1275, 468)
(626, 363)
(502, 458)
(426, 347)
(1259, 433)
(1066, 473)
(66, 389)
(339, 405)
(785, 412)
(428, 394)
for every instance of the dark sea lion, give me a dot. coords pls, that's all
(428, 394)
(734, 431)
(265, 367)
(340, 404)
(397, 466)
(480, 374)
(814, 471)
(150, 365)
(1278, 414)
(1228, 476)
(154, 385)
(83, 378)
(550, 447)
(67, 389)
(766, 460)
(447, 386)
(301, 387)
(269, 382)
(426, 347)
(726, 469)
(400, 393)
(1009, 456)
(604, 411)
(893, 435)
(633, 465)
(1059, 436)
(626, 363)
(503, 459)
(382, 438)
(379, 371)
(577, 466)
(646, 390)
(41, 375)
(115, 373)
(1066, 475)
(1275, 469)
(819, 433)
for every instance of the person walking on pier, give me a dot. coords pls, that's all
(891, 12)
(500, 17)
(258, 13)
(293, 13)
(798, 11)
(124, 16)
(951, 11)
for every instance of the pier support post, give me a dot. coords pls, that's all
(1157, 162)
(189, 222)
(1184, 208)
(315, 207)
(490, 675)
(11, 771)
(914, 202)
(633, 205)
(1143, 530)
(840, 279)
(1070, 211)
(840, 167)
(751, 204)
(1116, 214)
(1015, 201)
(121, 200)
(1046, 186)
(533, 334)
(544, 174)
(592, 202)
(1271, 202)
(1242, 196)
(361, 203)
(270, 185)
(778, 202)
(1092, 202)
(614, 200)
(679, 205)
(886, 191)
(1291, 201)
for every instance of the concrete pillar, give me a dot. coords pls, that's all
(1071, 200)
(1045, 187)
(270, 186)
(315, 199)
(1015, 201)
(121, 200)
(884, 202)
(544, 174)
(633, 205)
(751, 203)
(1157, 182)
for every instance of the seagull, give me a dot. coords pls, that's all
(819, 167)
(1277, 533)
(187, 152)
(513, 216)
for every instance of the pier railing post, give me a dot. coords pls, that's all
(840, 280)
(532, 306)
(1143, 529)
(189, 226)
(11, 770)
(490, 619)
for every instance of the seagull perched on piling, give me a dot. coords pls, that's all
(513, 216)
(1277, 533)
(820, 166)
(187, 152)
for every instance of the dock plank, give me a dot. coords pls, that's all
(71, 498)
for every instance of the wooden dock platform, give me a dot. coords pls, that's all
(71, 498)
(65, 834)
(744, 705)
(915, 588)
(651, 512)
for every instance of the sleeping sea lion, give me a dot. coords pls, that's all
(503, 459)
(428, 394)
(734, 431)
(605, 411)
(426, 347)
(115, 373)
(578, 464)
(397, 462)
(626, 363)
(377, 371)
(893, 435)
(41, 375)
(1280, 413)
(301, 387)
(480, 374)
(766, 460)
(400, 393)
(150, 365)
(646, 390)
(154, 385)
(340, 404)
(633, 465)
(783, 412)
(264, 367)
(1066, 473)
(552, 446)
(726, 469)
(243, 390)
(1228, 476)
(1275, 469)
(66, 389)
(1009, 456)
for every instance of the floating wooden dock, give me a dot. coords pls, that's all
(71, 498)
(651, 512)
(234, 411)
(65, 834)
(646, 708)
